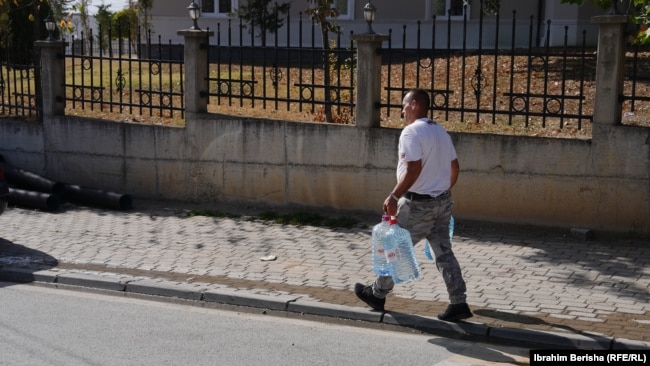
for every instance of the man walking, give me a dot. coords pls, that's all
(421, 201)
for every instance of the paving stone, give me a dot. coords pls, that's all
(549, 281)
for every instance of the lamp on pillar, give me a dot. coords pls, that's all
(369, 15)
(194, 11)
(50, 25)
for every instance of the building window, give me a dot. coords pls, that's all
(217, 7)
(448, 7)
(344, 7)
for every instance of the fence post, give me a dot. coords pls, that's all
(368, 84)
(196, 69)
(610, 64)
(52, 77)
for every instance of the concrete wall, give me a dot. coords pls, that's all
(601, 184)
(553, 182)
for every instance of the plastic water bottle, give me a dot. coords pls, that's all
(379, 262)
(427, 246)
(402, 264)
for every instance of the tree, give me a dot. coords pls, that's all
(82, 8)
(258, 14)
(491, 6)
(324, 13)
(21, 23)
(125, 26)
(638, 10)
(143, 8)
(60, 12)
(104, 19)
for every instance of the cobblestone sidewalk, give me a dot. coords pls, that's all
(516, 277)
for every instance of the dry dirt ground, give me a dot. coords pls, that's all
(500, 75)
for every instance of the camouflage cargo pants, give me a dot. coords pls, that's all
(429, 219)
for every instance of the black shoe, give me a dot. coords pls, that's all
(364, 293)
(455, 312)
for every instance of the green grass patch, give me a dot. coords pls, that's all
(304, 218)
(340, 222)
(212, 213)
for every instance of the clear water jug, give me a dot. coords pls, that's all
(379, 262)
(427, 246)
(402, 263)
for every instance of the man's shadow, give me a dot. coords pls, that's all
(487, 353)
(451, 332)
(20, 264)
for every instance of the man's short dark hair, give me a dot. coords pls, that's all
(421, 96)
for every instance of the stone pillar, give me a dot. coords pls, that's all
(368, 78)
(196, 69)
(52, 77)
(610, 64)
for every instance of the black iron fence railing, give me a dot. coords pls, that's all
(313, 80)
(146, 81)
(292, 74)
(493, 85)
(20, 81)
(636, 87)
(496, 84)
(110, 48)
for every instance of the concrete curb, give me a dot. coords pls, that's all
(296, 304)
(243, 298)
(333, 310)
(165, 288)
(461, 330)
(92, 280)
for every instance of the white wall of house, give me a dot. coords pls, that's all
(78, 31)
(169, 17)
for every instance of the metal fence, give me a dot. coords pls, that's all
(284, 74)
(305, 76)
(20, 81)
(636, 87)
(539, 85)
(536, 85)
(145, 81)
(110, 48)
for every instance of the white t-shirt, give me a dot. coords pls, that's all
(427, 141)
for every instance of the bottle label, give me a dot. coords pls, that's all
(392, 255)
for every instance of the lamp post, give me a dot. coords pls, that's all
(194, 11)
(368, 72)
(369, 15)
(50, 25)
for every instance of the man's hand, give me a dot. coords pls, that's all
(390, 206)
(413, 170)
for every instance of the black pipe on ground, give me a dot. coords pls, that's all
(23, 179)
(85, 195)
(40, 200)
(97, 197)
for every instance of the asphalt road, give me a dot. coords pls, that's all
(49, 326)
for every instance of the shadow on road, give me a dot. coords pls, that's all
(521, 319)
(18, 263)
(466, 331)
(483, 353)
